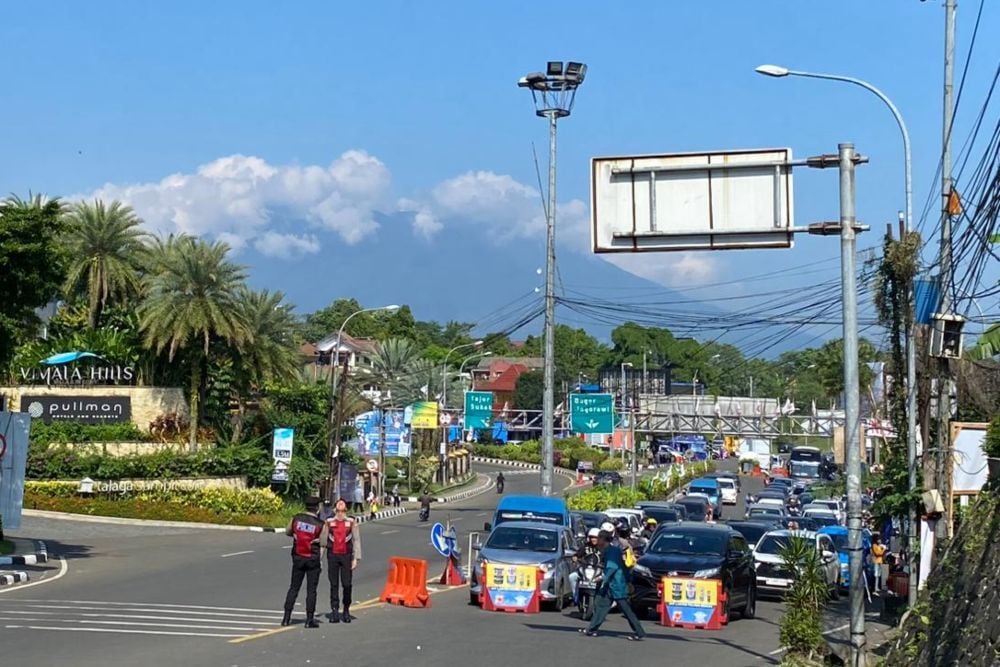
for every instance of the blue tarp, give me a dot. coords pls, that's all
(500, 432)
(927, 296)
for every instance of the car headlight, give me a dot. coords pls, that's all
(707, 573)
(546, 567)
(642, 570)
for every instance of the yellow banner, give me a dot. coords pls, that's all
(511, 577)
(425, 415)
(690, 592)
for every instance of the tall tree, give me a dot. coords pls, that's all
(32, 264)
(106, 245)
(191, 299)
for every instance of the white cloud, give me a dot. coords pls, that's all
(673, 269)
(286, 246)
(509, 209)
(425, 223)
(243, 199)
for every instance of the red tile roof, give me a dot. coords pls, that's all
(507, 380)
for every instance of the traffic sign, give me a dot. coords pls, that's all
(478, 409)
(591, 413)
(443, 541)
(372, 465)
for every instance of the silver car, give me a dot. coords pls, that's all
(775, 578)
(544, 545)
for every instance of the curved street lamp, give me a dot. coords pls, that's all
(444, 369)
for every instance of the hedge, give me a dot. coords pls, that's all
(601, 498)
(223, 501)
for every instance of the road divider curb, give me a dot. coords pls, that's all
(10, 578)
(521, 464)
(381, 514)
(41, 555)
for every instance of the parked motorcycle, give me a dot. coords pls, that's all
(591, 573)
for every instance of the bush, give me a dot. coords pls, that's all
(215, 499)
(70, 432)
(801, 627)
(611, 464)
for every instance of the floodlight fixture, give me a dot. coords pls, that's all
(554, 91)
(554, 68)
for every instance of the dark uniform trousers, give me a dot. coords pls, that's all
(308, 569)
(338, 569)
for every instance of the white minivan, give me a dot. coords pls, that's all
(727, 487)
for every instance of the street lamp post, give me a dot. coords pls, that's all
(911, 353)
(334, 423)
(477, 355)
(444, 369)
(626, 419)
(553, 94)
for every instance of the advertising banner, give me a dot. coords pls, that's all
(14, 428)
(694, 603)
(79, 409)
(425, 415)
(511, 588)
(281, 453)
(348, 474)
(369, 439)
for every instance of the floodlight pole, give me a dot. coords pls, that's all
(549, 354)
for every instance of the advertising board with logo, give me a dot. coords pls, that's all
(691, 602)
(281, 452)
(80, 409)
(511, 587)
(369, 440)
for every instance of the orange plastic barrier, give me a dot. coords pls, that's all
(452, 575)
(779, 472)
(406, 583)
(757, 472)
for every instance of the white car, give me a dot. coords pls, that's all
(771, 502)
(774, 577)
(831, 504)
(728, 489)
(633, 516)
(812, 511)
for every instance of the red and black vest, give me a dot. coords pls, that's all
(305, 529)
(341, 539)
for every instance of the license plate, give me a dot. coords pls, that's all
(776, 582)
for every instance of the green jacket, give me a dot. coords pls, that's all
(615, 583)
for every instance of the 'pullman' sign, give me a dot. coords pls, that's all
(80, 409)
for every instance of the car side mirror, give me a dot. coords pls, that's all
(477, 546)
(487, 527)
(828, 555)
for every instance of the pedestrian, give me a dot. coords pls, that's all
(326, 510)
(613, 589)
(343, 552)
(395, 495)
(359, 498)
(308, 533)
(878, 558)
(500, 482)
(372, 505)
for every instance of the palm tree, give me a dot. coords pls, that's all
(106, 245)
(191, 299)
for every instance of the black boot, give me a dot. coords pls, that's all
(347, 615)
(334, 616)
(311, 622)
(287, 618)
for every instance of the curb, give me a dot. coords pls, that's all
(152, 523)
(41, 555)
(381, 514)
(10, 578)
(521, 464)
(461, 495)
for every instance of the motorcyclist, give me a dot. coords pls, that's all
(622, 538)
(425, 501)
(500, 482)
(589, 552)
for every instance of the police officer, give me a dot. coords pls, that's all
(308, 534)
(343, 551)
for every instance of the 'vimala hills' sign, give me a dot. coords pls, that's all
(62, 369)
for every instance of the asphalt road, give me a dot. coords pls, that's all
(136, 595)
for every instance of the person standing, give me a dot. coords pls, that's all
(359, 498)
(500, 482)
(308, 534)
(343, 552)
(326, 510)
(395, 495)
(878, 558)
(372, 505)
(613, 589)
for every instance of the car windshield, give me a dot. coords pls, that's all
(524, 539)
(751, 532)
(528, 515)
(707, 490)
(662, 515)
(727, 484)
(771, 544)
(695, 511)
(593, 520)
(823, 520)
(765, 512)
(684, 542)
(839, 541)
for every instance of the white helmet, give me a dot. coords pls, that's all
(594, 532)
(608, 527)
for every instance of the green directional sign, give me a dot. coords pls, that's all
(592, 413)
(478, 409)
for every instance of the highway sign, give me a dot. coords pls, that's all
(591, 413)
(478, 409)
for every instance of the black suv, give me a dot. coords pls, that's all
(700, 551)
(607, 477)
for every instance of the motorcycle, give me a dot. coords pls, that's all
(591, 573)
(425, 513)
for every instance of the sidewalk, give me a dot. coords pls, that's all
(877, 633)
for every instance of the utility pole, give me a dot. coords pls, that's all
(852, 407)
(336, 432)
(946, 384)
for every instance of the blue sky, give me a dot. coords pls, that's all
(395, 121)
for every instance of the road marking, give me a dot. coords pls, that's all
(456, 519)
(119, 631)
(62, 614)
(135, 623)
(261, 635)
(288, 546)
(828, 632)
(155, 604)
(236, 553)
(63, 569)
(388, 532)
(482, 513)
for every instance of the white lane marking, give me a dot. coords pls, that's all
(63, 615)
(457, 519)
(288, 546)
(120, 631)
(236, 553)
(63, 569)
(154, 604)
(828, 632)
(151, 625)
(388, 532)
(482, 513)
(159, 610)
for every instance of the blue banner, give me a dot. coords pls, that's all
(397, 435)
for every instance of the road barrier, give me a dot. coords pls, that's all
(452, 575)
(691, 603)
(511, 588)
(406, 583)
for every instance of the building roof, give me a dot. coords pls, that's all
(507, 380)
(491, 363)
(348, 343)
(308, 350)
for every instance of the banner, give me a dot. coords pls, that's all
(14, 429)
(510, 587)
(369, 440)
(693, 602)
(425, 415)
(281, 453)
(348, 475)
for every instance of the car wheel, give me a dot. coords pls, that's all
(835, 591)
(750, 608)
(727, 606)
(560, 600)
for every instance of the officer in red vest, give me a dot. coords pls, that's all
(343, 551)
(308, 534)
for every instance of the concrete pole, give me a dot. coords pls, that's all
(549, 371)
(853, 402)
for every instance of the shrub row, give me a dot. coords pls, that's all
(57, 432)
(222, 501)
(568, 453)
(601, 498)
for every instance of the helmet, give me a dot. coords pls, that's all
(594, 532)
(608, 527)
(650, 521)
(622, 524)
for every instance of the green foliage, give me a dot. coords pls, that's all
(801, 626)
(611, 464)
(601, 498)
(32, 265)
(576, 353)
(64, 432)
(529, 390)
(991, 443)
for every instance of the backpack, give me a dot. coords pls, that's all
(628, 557)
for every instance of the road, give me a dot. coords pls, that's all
(138, 595)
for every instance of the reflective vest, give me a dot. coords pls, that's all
(305, 529)
(341, 539)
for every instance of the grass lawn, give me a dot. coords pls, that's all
(6, 547)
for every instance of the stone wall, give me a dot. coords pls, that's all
(148, 403)
(118, 449)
